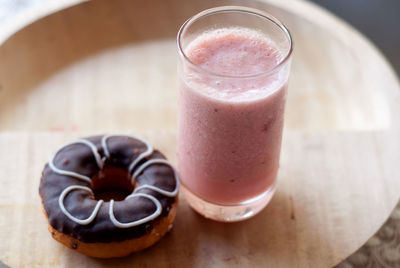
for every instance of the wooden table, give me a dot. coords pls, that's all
(109, 67)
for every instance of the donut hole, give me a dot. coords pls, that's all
(111, 183)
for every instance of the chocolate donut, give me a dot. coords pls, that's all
(81, 181)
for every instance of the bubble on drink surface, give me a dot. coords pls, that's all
(234, 64)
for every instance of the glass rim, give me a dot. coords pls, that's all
(239, 9)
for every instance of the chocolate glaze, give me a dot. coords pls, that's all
(79, 158)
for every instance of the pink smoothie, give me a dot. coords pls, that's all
(230, 129)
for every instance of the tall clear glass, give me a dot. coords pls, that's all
(234, 64)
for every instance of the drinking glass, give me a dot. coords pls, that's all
(230, 124)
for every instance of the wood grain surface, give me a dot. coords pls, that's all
(110, 67)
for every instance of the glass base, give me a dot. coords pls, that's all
(229, 213)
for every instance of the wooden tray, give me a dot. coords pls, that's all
(110, 67)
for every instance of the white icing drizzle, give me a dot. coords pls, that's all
(64, 210)
(92, 147)
(144, 154)
(146, 186)
(100, 163)
(137, 222)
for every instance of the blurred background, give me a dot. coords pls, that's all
(379, 20)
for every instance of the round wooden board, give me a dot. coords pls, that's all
(110, 66)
